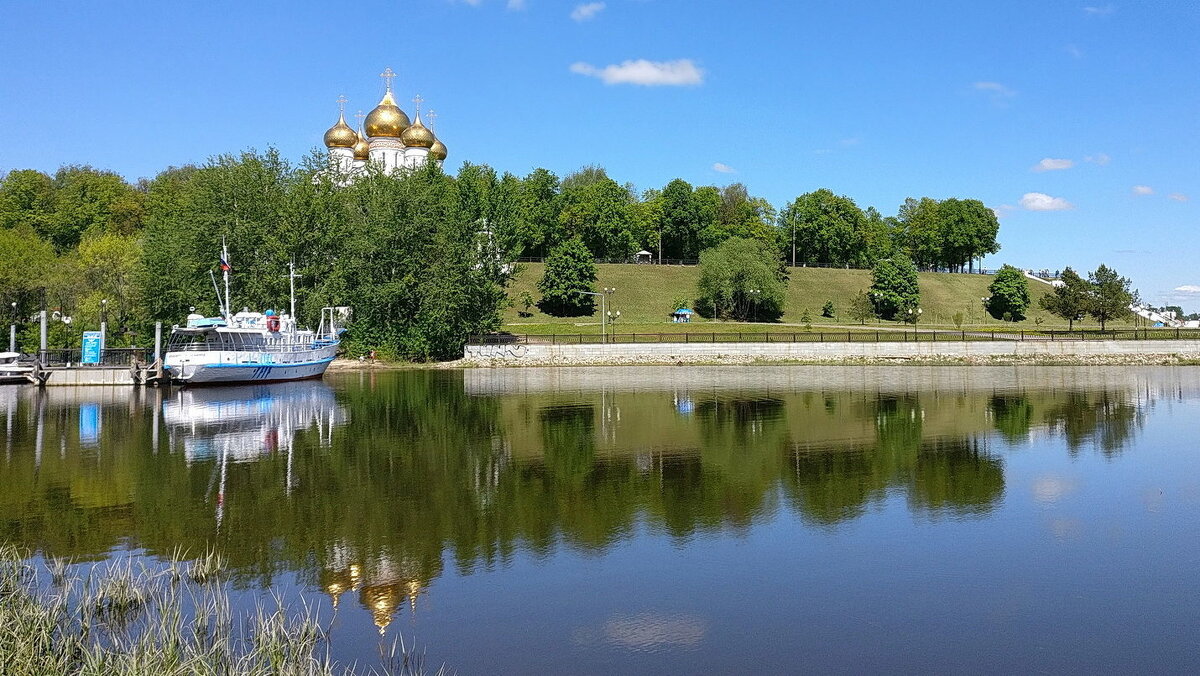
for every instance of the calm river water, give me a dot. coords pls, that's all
(651, 520)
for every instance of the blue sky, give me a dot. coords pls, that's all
(877, 101)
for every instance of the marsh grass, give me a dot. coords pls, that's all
(125, 617)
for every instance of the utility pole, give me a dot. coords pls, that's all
(793, 243)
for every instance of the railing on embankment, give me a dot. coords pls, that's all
(110, 357)
(852, 336)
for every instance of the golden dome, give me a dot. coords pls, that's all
(417, 136)
(438, 150)
(340, 135)
(362, 149)
(387, 119)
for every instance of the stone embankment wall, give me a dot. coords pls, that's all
(982, 352)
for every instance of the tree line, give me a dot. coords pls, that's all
(421, 257)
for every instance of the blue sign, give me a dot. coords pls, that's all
(91, 347)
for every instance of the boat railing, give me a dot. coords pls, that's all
(246, 347)
(111, 357)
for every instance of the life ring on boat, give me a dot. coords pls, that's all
(272, 323)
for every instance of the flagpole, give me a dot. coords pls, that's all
(228, 265)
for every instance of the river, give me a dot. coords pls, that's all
(660, 519)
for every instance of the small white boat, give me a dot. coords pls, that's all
(14, 372)
(252, 347)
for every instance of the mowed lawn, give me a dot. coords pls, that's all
(645, 295)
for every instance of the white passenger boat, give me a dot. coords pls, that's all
(251, 346)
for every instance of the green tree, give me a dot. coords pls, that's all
(861, 307)
(1009, 294)
(1111, 296)
(541, 203)
(570, 269)
(829, 229)
(680, 221)
(967, 230)
(26, 199)
(921, 231)
(734, 268)
(88, 200)
(894, 289)
(828, 310)
(600, 214)
(1071, 299)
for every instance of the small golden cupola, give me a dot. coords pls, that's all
(438, 150)
(386, 120)
(417, 136)
(362, 149)
(341, 135)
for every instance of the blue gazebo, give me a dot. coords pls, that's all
(682, 315)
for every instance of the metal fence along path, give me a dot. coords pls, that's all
(850, 336)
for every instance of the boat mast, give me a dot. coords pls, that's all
(292, 284)
(225, 273)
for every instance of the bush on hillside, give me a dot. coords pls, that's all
(741, 279)
(570, 269)
(1009, 295)
(895, 291)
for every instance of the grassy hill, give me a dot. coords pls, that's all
(645, 293)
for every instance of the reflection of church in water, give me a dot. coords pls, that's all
(383, 583)
(386, 139)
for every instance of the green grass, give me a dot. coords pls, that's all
(645, 292)
(125, 618)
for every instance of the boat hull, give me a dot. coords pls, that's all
(213, 374)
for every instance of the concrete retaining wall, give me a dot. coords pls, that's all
(81, 376)
(650, 353)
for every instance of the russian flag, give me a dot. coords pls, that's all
(225, 267)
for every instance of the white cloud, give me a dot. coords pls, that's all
(1098, 158)
(678, 73)
(1100, 10)
(723, 168)
(1040, 201)
(1051, 164)
(995, 89)
(1143, 190)
(517, 5)
(1178, 197)
(1002, 210)
(1188, 288)
(587, 11)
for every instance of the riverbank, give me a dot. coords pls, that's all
(980, 353)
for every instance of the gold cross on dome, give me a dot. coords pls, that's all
(417, 101)
(341, 101)
(432, 115)
(360, 115)
(387, 76)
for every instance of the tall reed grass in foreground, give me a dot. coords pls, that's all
(124, 617)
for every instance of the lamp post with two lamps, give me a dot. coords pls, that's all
(603, 295)
(754, 295)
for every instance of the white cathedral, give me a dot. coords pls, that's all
(386, 138)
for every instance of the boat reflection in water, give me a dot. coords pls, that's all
(242, 423)
(245, 423)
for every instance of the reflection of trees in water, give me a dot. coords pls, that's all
(939, 475)
(1106, 419)
(957, 477)
(569, 440)
(426, 473)
(1012, 415)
